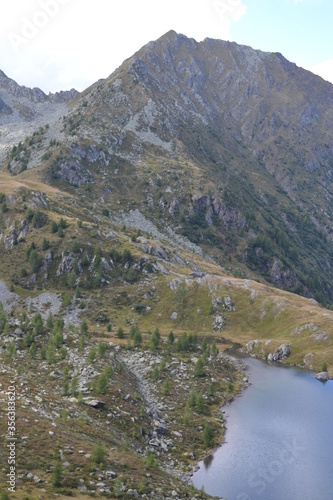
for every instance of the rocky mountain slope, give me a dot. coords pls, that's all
(229, 146)
(143, 223)
(23, 110)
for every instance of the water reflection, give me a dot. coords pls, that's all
(208, 461)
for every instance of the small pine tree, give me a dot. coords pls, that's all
(84, 327)
(62, 223)
(54, 227)
(74, 386)
(137, 339)
(102, 384)
(45, 244)
(155, 339)
(200, 404)
(108, 372)
(171, 338)
(208, 434)
(214, 350)
(101, 349)
(92, 355)
(72, 280)
(98, 454)
(166, 387)
(120, 333)
(65, 388)
(192, 400)
(199, 369)
(186, 419)
(11, 349)
(50, 354)
(49, 321)
(75, 248)
(156, 373)
(57, 475)
(32, 351)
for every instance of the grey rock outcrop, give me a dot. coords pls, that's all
(322, 376)
(282, 352)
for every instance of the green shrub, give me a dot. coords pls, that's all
(150, 461)
(45, 244)
(75, 248)
(120, 333)
(54, 227)
(62, 223)
(166, 387)
(99, 454)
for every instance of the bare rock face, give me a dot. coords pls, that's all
(73, 172)
(251, 346)
(284, 278)
(282, 352)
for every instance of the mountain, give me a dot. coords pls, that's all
(230, 146)
(23, 110)
(168, 212)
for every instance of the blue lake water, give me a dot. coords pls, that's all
(279, 439)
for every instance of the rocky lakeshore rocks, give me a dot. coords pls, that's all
(322, 376)
(281, 353)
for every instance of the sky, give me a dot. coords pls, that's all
(63, 44)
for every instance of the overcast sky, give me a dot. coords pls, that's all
(60, 44)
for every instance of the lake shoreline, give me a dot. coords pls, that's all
(284, 403)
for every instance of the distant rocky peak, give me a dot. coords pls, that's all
(33, 94)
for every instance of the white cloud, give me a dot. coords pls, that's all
(324, 69)
(58, 44)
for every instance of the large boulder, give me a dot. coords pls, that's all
(250, 346)
(282, 352)
(322, 376)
